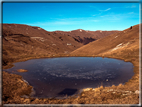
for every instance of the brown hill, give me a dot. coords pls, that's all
(23, 41)
(86, 36)
(124, 43)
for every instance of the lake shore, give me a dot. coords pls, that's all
(121, 94)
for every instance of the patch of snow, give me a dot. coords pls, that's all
(120, 46)
(80, 30)
(39, 28)
(68, 43)
(117, 47)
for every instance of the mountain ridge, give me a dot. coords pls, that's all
(127, 37)
(26, 41)
(86, 36)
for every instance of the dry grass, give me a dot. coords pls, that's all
(121, 94)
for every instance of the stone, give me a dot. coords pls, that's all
(22, 70)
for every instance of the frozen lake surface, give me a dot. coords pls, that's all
(66, 76)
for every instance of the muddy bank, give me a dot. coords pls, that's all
(121, 94)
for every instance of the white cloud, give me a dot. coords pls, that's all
(62, 23)
(67, 21)
(132, 6)
(131, 13)
(105, 10)
(118, 17)
(95, 20)
(53, 23)
(78, 21)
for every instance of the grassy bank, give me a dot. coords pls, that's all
(121, 94)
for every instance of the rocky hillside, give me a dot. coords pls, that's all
(23, 41)
(122, 43)
(86, 36)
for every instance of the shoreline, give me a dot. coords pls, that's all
(135, 64)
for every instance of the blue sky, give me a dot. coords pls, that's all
(71, 16)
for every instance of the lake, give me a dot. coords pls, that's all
(66, 76)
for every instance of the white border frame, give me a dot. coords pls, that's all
(109, 1)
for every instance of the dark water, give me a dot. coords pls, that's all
(58, 77)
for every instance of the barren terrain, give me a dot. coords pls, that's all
(26, 42)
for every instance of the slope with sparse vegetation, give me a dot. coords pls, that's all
(121, 45)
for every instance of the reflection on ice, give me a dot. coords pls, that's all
(81, 73)
(52, 77)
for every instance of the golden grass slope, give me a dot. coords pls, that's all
(127, 40)
(123, 45)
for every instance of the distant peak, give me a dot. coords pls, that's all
(80, 30)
